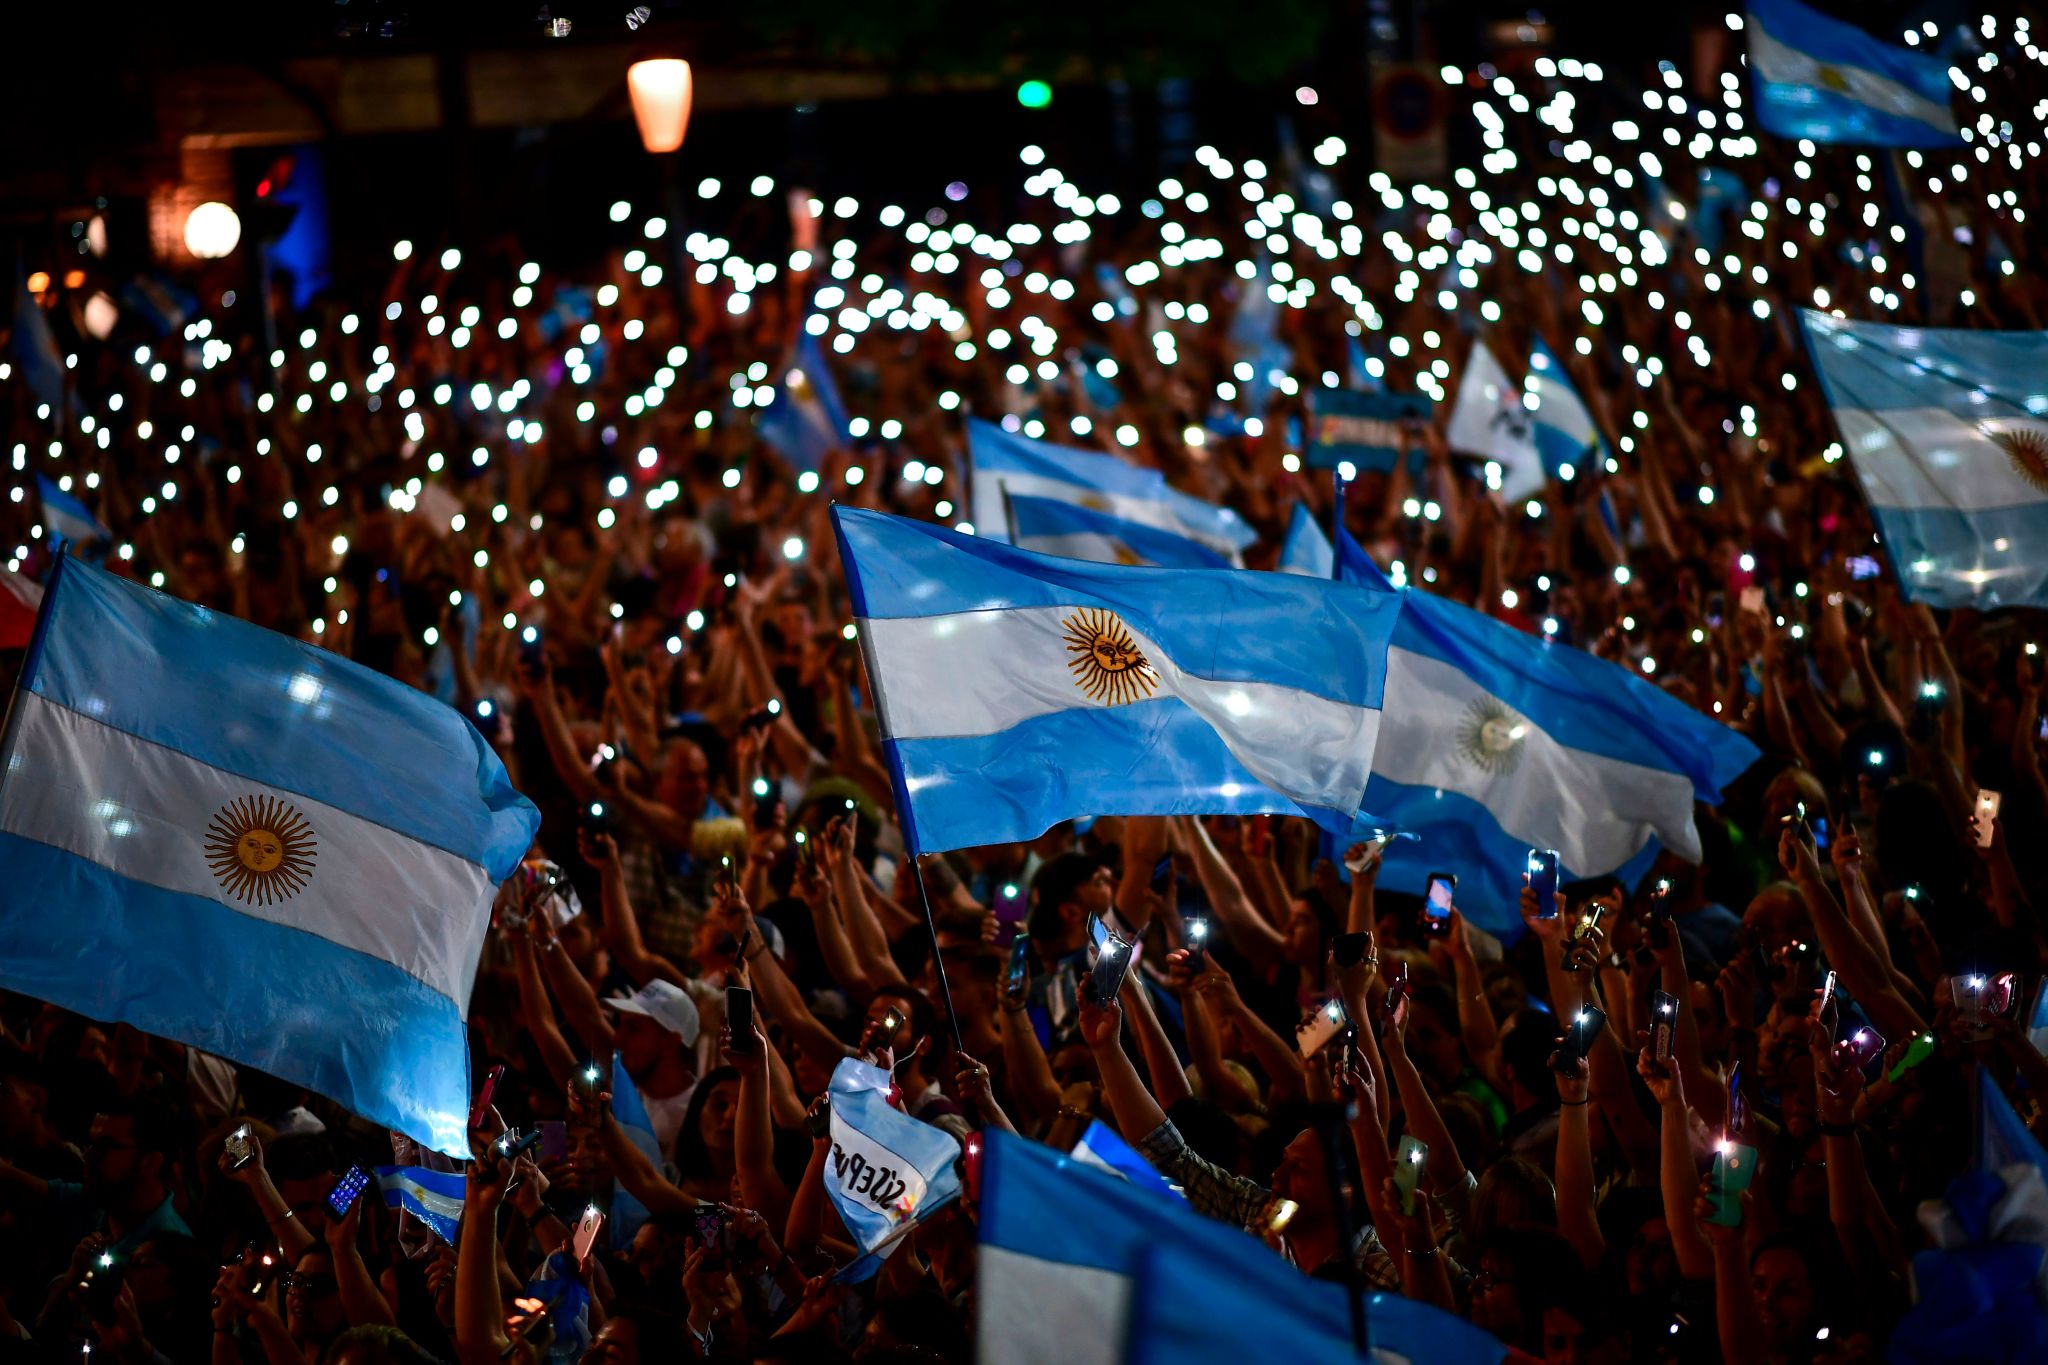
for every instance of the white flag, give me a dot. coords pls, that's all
(1490, 421)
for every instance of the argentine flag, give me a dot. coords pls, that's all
(1490, 420)
(806, 421)
(1499, 742)
(627, 1212)
(1017, 690)
(1101, 1148)
(433, 1197)
(1082, 1267)
(1948, 432)
(1051, 527)
(258, 848)
(887, 1170)
(1829, 81)
(65, 517)
(1307, 550)
(1566, 437)
(1000, 462)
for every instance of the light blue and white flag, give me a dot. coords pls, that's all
(1101, 1148)
(806, 421)
(1000, 461)
(433, 1197)
(1051, 527)
(35, 349)
(627, 1212)
(1017, 690)
(65, 517)
(1307, 549)
(1948, 432)
(1566, 437)
(1499, 742)
(253, 846)
(1821, 78)
(1490, 420)
(887, 1170)
(1080, 1267)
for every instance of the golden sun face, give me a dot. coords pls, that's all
(1107, 663)
(260, 850)
(1490, 736)
(2027, 448)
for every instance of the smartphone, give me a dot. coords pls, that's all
(1578, 1037)
(1195, 929)
(102, 1287)
(1859, 1049)
(1437, 898)
(1987, 810)
(1359, 864)
(1660, 912)
(1827, 995)
(1738, 1106)
(484, 1095)
(532, 652)
(1162, 875)
(1017, 975)
(1797, 823)
(585, 1236)
(597, 818)
(739, 1017)
(806, 849)
(1312, 1034)
(1861, 567)
(241, 1147)
(1590, 920)
(1543, 881)
(1397, 989)
(708, 1223)
(1349, 949)
(1734, 1168)
(346, 1190)
(1408, 1170)
(261, 1276)
(512, 1146)
(1973, 996)
(1663, 1026)
(1112, 965)
(818, 1118)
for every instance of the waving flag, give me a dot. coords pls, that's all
(1307, 550)
(1052, 527)
(627, 1212)
(21, 597)
(1085, 478)
(806, 421)
(223, 836)
(1101, 1148)
(1566, 437)
(1490, 420)
(65, 517)
(1018, 690)
(35, 349)
(1948, 432)
(1084, 1268)
(1499, 742)
(1827, 80)
(887, 1169)
(433, 1197)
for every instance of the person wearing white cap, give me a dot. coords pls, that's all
(656, 1038)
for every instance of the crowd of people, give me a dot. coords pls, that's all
(569, 528)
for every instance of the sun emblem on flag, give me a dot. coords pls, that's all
(1490, 736)
(1830, 78)
(1107, 663)
(261, 850)
(2027, 448)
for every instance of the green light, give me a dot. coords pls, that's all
(1034, 94)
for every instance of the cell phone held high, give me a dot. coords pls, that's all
(1112, 965)
(1196, 932)
(1578, 1037)
(347, 1190)
(1408, 1170)
(240, 1147)
(708, 1224)
(1017, 972)
(739, 1019)
(1314, 1033)
(1857, 1051)
(1543, 881)
(1438, 897)
(1663, 1026)
(484, 1095)
(585, 1236)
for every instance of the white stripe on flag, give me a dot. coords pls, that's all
(1033, 1310)
(1931, 457)
(1782, 65)
(984, 672)
(1597, 812)
(144, 812)
(1092, 546)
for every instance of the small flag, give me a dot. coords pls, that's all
(1827, 80)
(261, 849)
(1489, 420)
(1566, 436)
(887, 1169)
(1101, 1148)
(65, 517)
(805, 421)
(433, 1197)
(1364, 431)
(1307, 549)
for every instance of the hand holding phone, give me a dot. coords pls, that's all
(1112, 965)
(1663, 1026)
(1734, 1168)
(1437, 902)
(1543, 881)
(1988, 802)
(346, 1191)
(484, 1094)
(739, 1020)
(1312, 1034)
(1017, 975)
(1858, 1050)
(241, 1147)
(585, 1237)
(1408, 1170)
(1578, 1039)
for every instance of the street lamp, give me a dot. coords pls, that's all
(212, 230)
(660, 88)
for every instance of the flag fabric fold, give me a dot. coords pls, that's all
(1052, 527)
(1947, 431)
(259, 849)
(1017, 690)
(1498, 742)
(1565, 433)
(1101, 1148)
(1823, 79)
(65, 517)
(887, 1169)
(1490, 420)
(1307, 549)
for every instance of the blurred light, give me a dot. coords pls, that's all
(212, 230)
(1034, 94)
(660, 89)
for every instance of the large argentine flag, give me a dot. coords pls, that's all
(1052, 527)
(1820, 78)
(1566, 437)
(1017, 690)
(1498, 742)
(1948, 431)
(253, 846)
(1490, 420)
(1090, 479)
(1082, 1267)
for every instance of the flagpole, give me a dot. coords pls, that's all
(1330, 1127)
(904, 818)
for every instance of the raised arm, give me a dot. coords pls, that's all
(1262, 944)
(1576, 1217)
(621, 926)
(1169, 1081)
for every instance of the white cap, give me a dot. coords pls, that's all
(667, 1004)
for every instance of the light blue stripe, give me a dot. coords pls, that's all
(1227, 625)
(1037, 519)
(1975, 375)
(997, 451)
(222, 691)
(1307, 550)
(1951, 544)
(1789, 111)
(1459, 835)
(1014, 785)
(343, 1024)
